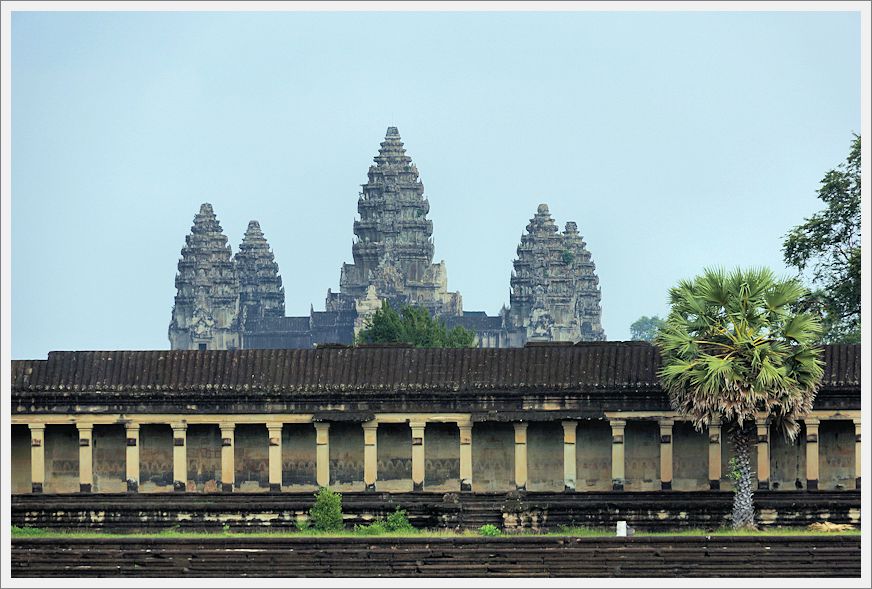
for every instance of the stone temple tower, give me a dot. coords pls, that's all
(261, 294)
(554, 287)
(393, 251)
(205, 312)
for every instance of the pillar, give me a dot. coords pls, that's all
(465, 456)
(666, 454)
(322, 454)
(812, 457)
(714, 455)
(857, 454)
(228, 457)
(417, 454)
(569, 455)
(180, 458)
(520, 456)
(275, 456)
(618, 426)
(37, 457)
(86, 456)
(370, 454)
(132, 463)
(763, 453)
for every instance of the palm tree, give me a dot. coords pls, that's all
(734, 348)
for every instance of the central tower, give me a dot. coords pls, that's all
(393, 249)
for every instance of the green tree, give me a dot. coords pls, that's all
(733, 349)
(326, 513)
(645, 328)
(827, 247)
(412, 325)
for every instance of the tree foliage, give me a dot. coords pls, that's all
(827, 247)
(734, 349)
(326, 513)
(413, 325)
(645, 328)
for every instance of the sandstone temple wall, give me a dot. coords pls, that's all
(594, 456)
(346, 457)
(837, 449)
(251, 458)
(543, 419)
(20, 464)
(61, 459)
(493, 457)
(156, 458)
(690, 461)
(109, 458)
(685, 453)
(299, 457)
(441, 457)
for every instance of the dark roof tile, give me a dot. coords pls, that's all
(601, 365)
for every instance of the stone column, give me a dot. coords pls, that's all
(569, 455)
(228, 457)
(465, 456)
(180, 457)
(812, 458)
(520, 456)
(857, 454)
(666, 454)
(132, 463)
(370, 454)
(86, 456)
(618, 426)
(322, 454)
(417, 455)
(714, 455)
(275, 457)
(763, 453)
(37, 457)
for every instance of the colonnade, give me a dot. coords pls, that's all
(227, 424)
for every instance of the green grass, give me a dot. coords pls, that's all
(176, 533)
(25, 532)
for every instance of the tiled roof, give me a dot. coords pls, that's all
(588, 366)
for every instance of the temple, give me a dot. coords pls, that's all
(206, 310)
(555, 293)
(589, 417)
(393, 251)
(224, 305)
(261, 294)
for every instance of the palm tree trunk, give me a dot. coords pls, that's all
(743, 498)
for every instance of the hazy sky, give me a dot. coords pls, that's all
(674, 140)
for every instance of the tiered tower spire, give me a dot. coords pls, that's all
(207, 289)
(555, 294)
(261, 294)
(394, 248)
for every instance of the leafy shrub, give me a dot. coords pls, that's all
(489, 530)
(398, 521)
(376, 528)
(302, 524)
(326, 513)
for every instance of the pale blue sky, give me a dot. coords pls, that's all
(674, 140)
